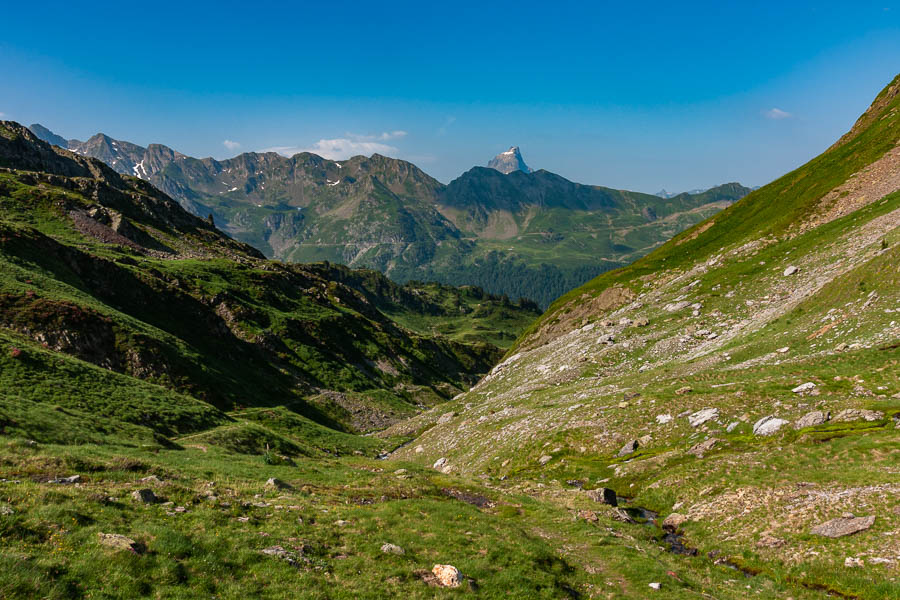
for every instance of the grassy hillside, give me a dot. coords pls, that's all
(742, 380)
(107, 270)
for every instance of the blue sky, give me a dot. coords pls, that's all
(641, 97)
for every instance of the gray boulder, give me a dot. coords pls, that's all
(768, 425)
(628, 448)
(843, 526)
(603, 495)
(816, 417)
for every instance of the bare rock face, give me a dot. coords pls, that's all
(843, 526)
(509, 161)
(447, 575)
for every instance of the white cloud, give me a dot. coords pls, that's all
(442, 130)
(776, 114)
(231, 145)
(345, 147)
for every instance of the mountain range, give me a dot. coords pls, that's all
(522, 233)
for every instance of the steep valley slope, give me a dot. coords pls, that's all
(743, 380)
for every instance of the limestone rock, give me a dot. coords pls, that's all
(391, 549)
(858, 414)
(446, 418)
(843, 526)
(702, 416)
(663, 419)
(439, 463)
(628, 448)
(674, 521)
(790, 270)
(683, 390)
(804, 388)
(768, 425)
(447, 575)
(811, 419)
(703, 447)
(603, 495)
(545, 459)
(276, 484)
(145, 495)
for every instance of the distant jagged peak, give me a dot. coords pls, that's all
(48, 136)
(509, 161)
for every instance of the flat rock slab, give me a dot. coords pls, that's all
(843, 526)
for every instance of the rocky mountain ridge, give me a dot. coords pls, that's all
(533, 235)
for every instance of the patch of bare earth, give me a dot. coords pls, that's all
(871, 184)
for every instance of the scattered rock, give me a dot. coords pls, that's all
(341, 523)
(447, 575)
(446, 418)
(588, 515)
(768, 425)
(420, 449)
(790, 270)
(628, 448)
(119, 542)
(645, 440)
(655, 585)
(851, 561)
(703, 447)
(663, 419)
(277, 484)
(6, 511)
(731, 426)
(150, 479)
(439, 463)
(811, 419)
(769, 541)
(783, 350)
(858, 414)
(66, 480)
(400, 472)
(625, 321)
(702, 416)
(674, 521)
(840, 347)
(804, 388)
(145, 495)
(641, 322)
(545, 459)
(391, 549)
(630, 396)
(603, 495)
(676, 306)
(683, 390)
(290, 558)
(843, 526)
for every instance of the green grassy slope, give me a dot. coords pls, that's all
(724, 322)
(108, 270)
